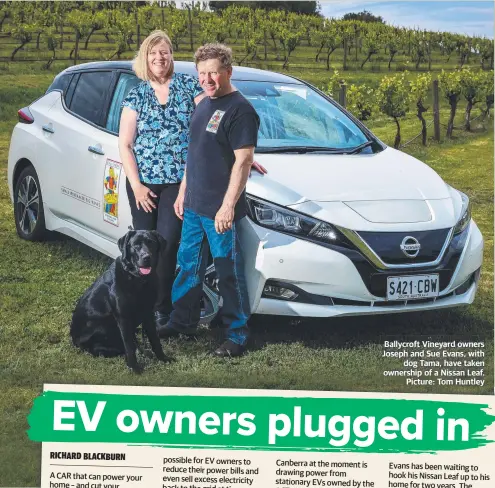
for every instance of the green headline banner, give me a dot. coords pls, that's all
(260, 422)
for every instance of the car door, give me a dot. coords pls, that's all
(108, 178)
(79, 153)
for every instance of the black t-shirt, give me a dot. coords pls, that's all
(218, 127)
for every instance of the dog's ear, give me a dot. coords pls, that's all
(162, 243)
(122, 243)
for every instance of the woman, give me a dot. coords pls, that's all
(153, 140)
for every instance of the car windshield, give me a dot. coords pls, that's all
(295, 117)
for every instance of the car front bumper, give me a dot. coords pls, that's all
(335, 284)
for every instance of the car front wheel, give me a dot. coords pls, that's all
(28, 206)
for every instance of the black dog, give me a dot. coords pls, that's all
(106, 317)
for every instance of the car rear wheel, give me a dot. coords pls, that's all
(28, 206)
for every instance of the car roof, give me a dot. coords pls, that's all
(240, 73)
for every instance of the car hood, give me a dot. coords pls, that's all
(387, 175)
(357, 191)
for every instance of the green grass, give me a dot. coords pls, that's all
(40, 283)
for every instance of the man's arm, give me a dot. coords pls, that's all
(240, 173)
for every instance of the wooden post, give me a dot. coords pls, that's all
(138, 29)
(436, 111)
(189, 14)
(343, 95)
(344, 67)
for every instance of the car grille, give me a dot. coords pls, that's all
(386, 245)
(375, 277)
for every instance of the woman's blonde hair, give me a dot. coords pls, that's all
(140, 63)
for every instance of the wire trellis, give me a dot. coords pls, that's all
(415, 137)
(443, 125)
(463, 129)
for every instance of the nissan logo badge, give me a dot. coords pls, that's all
(410, 246)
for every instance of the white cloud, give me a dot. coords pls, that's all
(471, 10)
(410, 14)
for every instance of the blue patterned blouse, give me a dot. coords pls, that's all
(162, 135)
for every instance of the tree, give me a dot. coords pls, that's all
(24, 34)
(235, 18)
(212, 28)
(485, 49)
(146, 18)
(487, 81)
(419, 92)
(42, 19)
(332, 40)
(123, 27)
(393, 41)
(335, 84)
(264, 23)
(52, 39)
(360, 101)
(97, 22)
(464, 50)
(447, 44)
(80, 21)
(419, 48)
(393, 100)
(5, 13)
(176, 26)
(451, 85)
(346, 32)
(473, 88)
(317, 38)
(275, 19)
(251, 36)
(288, 6)
(60, 10)
(192, 11)
(364, 16)
(290, 33)
(372, 42)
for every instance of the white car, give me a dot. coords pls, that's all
(340, 225)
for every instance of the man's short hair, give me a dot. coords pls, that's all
(214, 51)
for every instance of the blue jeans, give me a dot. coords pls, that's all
(198, 233)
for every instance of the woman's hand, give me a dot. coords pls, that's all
(144, 198)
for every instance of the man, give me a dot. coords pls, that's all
(211, 201)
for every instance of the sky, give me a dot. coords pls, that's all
(462, 17)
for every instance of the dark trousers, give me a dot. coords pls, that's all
(199, 235)
(163, 220)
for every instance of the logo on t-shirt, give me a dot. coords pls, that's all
(215, 121)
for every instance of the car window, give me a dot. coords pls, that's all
(125, 83)
(70, 89)
(89, 95)
(60, 83)
(297, 115)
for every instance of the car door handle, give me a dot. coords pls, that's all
(48, 128)
(96, 150)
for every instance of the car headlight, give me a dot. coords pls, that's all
(463, 222)
(281, 219)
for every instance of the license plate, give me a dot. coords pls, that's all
(412, 287)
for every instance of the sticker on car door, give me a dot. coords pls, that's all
(111, 181)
